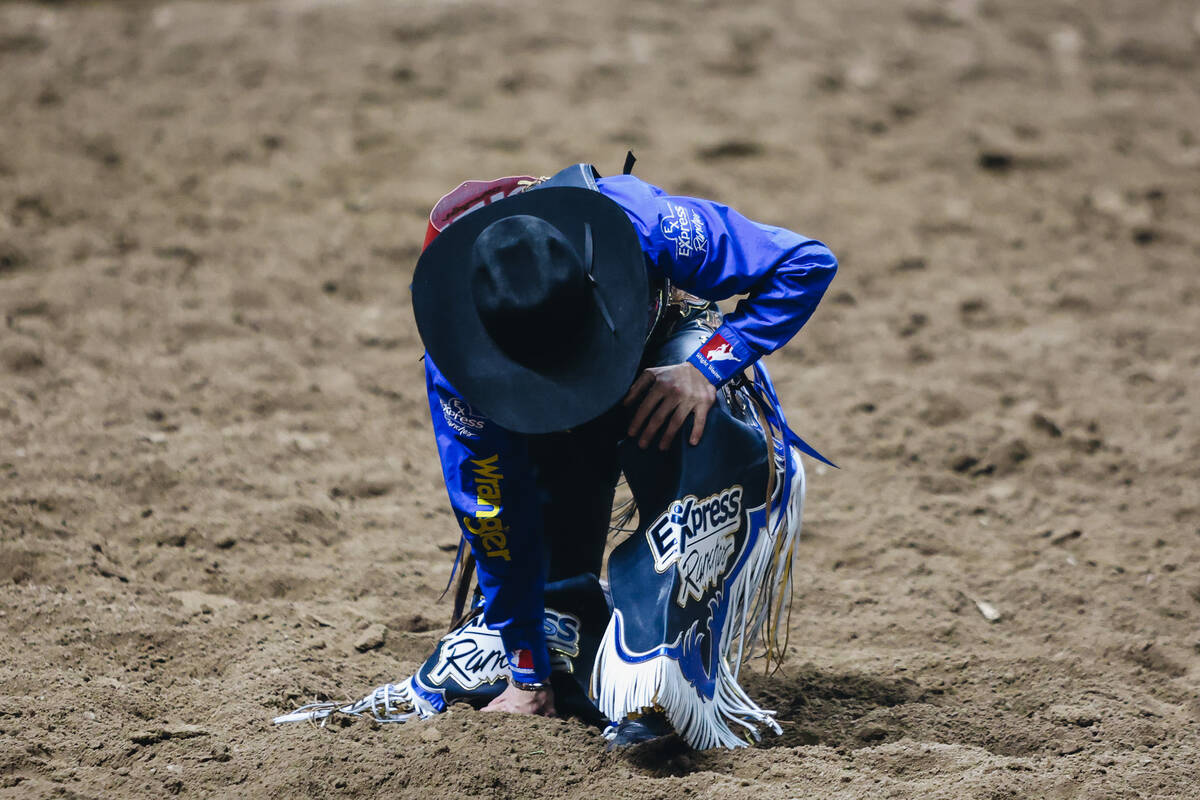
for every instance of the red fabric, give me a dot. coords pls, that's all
(717, 348)
(468, 196)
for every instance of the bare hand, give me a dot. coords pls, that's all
(519, 701)
(671, 393)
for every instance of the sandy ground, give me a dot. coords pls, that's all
(215, 464)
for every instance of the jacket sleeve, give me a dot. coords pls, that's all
(487, 474)
(714, 252)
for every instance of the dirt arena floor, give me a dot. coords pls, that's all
(216, 471)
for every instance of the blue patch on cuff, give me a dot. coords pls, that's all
(721, 357)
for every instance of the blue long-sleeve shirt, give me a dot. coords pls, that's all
(703, 247)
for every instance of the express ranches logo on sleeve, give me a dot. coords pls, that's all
(696, 536)
(461, 418)
(685, 228)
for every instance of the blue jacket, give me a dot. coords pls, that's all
(700, 246)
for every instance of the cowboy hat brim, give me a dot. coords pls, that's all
(513, 395)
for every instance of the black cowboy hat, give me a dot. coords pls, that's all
(535, 307)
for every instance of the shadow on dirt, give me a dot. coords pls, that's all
(812, 707)
(668, 756)
(850, 711)
(815, 707)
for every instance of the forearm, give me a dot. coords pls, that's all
(714, 252)
(486, 471)
(776, 308)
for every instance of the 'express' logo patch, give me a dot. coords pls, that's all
(685, 228)
(461, 418)
(696, 536)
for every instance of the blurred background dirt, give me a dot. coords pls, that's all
(215, 465)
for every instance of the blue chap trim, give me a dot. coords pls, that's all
(764, 391)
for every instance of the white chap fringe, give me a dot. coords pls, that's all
(730, 719)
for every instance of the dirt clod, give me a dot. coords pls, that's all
(371, 638)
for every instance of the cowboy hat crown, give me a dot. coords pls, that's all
(535, 307)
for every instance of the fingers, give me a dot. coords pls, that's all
(700, 421)
(660, 415)
(677, 419)
(669, 393)
(505, 704)
(649, 402)
(643, 382)
(515, 701)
